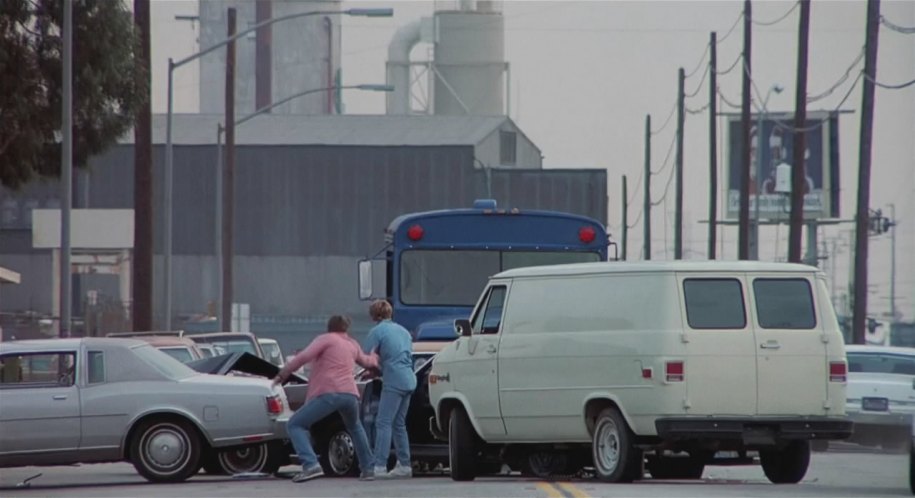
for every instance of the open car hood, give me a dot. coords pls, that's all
(242, 362)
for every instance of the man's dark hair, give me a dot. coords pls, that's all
(338, 323)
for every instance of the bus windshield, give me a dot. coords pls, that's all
(456, 277)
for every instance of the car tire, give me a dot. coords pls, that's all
(461, 446)
(246, 459)
(616, 459)
(211, 465)
(338, 454)
(166, 450)
(787, 465)
(544, 464)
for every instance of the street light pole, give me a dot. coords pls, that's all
(754, 231)
(220, 261)
(172, 65)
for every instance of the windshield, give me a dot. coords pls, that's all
(224, 346)
(273, 353)
(165, 364)
(181, 354)
(455, 278)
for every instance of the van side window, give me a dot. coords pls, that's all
(784, 303)
(491, 313)
(714, 303)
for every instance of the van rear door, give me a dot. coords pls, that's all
(791, 361)
(720, 368)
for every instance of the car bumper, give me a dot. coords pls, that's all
(755, 431)
(887, 419)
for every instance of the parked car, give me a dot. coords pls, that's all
(332, 442)
(209, 350)
(272, 351)
(173, 344)
(230, 342)
(66, 401)
(654, 364)
(881, 395)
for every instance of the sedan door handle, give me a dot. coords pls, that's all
(59, 397)
(770, 345)
(491, 348)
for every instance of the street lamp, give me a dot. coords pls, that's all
(219, 131)
(754, 226)
(172, 65)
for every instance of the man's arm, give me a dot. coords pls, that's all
(372, 341)
(307, 355)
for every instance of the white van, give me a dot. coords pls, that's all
(622, 366)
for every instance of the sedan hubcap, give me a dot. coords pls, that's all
(341, 453)
(166, 447)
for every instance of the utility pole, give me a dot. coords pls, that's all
(625, 223)
(798, 184)
(263, 55)
(892, 226)
(743, 232)
(646, 209)
(864, 172)
(141, 307)
(678, 215)
(66, 172)
(712, 144)
(229, 180)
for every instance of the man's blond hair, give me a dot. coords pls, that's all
(380, 310)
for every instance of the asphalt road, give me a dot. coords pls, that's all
(830, 474)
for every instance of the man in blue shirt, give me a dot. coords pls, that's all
(394, 346)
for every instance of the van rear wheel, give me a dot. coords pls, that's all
(787, 465)
(461, 446)
(616, 459)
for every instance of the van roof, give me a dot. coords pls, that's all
(655, 267)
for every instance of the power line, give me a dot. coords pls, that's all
(636, 222)
(701, 82)
(841, 80)
(731, 67)
(888, 86)
(666, 121)
(731, 29)
(699, 110)
(791, 129)
(664, 164)
(780, 19)
(638, 183)
(726, 101)
(670, 177)
(897, 28)
(701, 60)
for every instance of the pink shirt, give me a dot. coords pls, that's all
(334, 356)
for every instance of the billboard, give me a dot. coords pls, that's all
(821, 168)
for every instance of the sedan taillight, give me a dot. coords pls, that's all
(274, 405)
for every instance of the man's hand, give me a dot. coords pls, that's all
(277, 381)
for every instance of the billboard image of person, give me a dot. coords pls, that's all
(821, 166)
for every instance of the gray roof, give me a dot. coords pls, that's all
(658, 266)
(68, 343)
(350, 129)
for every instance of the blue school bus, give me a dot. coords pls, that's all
(435, 264)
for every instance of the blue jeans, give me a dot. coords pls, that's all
(392, 418)
(313, 412)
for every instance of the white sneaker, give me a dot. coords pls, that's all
(401, 472)
(381, 472)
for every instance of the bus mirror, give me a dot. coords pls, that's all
(462, 327)
(365, 279)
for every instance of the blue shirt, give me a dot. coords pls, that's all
(395, 351)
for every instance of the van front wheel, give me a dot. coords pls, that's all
(616, 459)
(787, 465)
(461, 446)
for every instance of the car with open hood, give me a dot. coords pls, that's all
(86, 400)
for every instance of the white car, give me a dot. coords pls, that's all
(881, 394)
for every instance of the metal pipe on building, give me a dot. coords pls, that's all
(398, 66)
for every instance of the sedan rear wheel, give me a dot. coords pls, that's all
(165, 450)
(244, 460)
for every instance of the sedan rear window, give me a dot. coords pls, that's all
(784, 303)
(881, 363)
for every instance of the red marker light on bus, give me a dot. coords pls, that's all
(415, 233)
(586, 235)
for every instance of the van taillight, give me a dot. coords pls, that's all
(674, 371)
(274, 405)
(837, 371)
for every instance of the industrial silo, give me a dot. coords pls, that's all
(469, 62)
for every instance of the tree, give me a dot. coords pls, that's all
(107, 91)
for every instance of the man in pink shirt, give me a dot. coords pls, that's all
(331, 388)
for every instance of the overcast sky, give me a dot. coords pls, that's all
(585, 74)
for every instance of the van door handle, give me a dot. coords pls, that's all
(770, 345)
(491, 348)
(59, 397)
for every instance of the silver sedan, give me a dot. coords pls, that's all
(65, 401)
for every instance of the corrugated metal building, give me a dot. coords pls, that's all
(313, 195)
